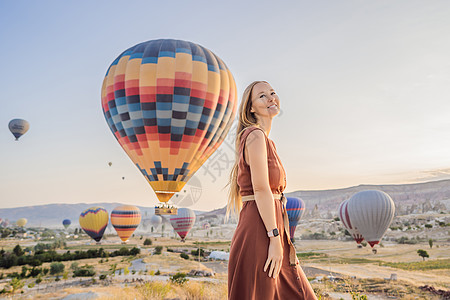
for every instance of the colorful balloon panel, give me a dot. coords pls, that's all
(295, 207)
(66, 223)
(170, 104)
(183, 222)
(18, 127)
(125, 219)
(94, 221)
(371, 212)
(345, 219)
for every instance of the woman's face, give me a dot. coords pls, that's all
(265, 102)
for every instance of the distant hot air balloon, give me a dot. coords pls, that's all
(295, 207)
(155, 221)
(110, 164)
(371, 212)
(18, 127)
(94, 221)
(125, 219)
(183, 222)
(345, 219)
(66, 223)
(170, 104)
(21, 222)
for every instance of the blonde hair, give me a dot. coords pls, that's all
(246, 119)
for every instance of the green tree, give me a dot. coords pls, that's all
(56, 268)
(423, 254)
(147, 242)
(430, 242)
(126, 271)
(18, 251)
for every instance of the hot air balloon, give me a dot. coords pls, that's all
(21, 222)
(295, 207)
(182, 222)
(18, 127)
(66, 223)
(371, 212)
(94, 221)
(170, 104)
(110, 164)
(155, 221)
(125, 219)
(345, 219)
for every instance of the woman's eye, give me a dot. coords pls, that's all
(263, 95)
(273, 93)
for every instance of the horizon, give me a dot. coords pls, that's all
(364, 91)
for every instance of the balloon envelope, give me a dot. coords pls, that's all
(18, 127)
(125, 219)
(21, 222)
(183, 222)
(155, 221)
(170, 104)
(345, 219)
(295, 207)
(66, 223)
(371, 212)
(94, 221)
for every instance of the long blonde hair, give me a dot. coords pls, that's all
(246, 119)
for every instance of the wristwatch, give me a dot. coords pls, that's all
(273, 233)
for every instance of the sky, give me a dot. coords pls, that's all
(364, 89)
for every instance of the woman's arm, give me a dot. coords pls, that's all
(256, 157)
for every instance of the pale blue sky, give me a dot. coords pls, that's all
(364, 88)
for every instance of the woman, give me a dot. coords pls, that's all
(262, 264)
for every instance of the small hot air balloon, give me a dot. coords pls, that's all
(94, 221)
(110, 164)
(371, 212)
(155, 221)
(21, 222)
(125, 219)
(18, 127)
(183, 222)
(66, 223)
(345, 219)
(295, 207)
(170, 104)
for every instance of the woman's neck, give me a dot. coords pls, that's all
(265, 124)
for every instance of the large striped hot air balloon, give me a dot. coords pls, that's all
(66, 223)
(94, 221)
(170, 104)
(345, 219)
(371, 212)
(125, 219)
(18, 127)
(295, 207)
(183, 222)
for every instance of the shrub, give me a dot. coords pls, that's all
(158, 249)
(428, 226)
(102, 277)
(184, 255)
(147, 242)
(158, 273)
(179, 278)
(85, 271)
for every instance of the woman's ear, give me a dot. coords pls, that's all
(252, 110)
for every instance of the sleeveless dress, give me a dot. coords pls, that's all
(250, 243)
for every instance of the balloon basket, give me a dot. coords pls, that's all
(165, 210)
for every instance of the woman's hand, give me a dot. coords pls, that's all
(274, 257)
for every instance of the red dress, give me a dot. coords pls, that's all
(249, 246)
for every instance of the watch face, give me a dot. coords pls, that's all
(275, 232)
